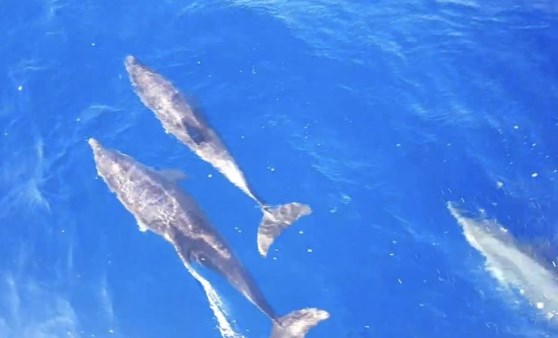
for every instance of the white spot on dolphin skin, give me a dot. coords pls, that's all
(20, 88)
(535, 174)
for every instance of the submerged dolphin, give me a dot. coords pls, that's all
(179, 119)
(509, 263)
(159, 205)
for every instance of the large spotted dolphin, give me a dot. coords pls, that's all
(179, 119)
(161, 206)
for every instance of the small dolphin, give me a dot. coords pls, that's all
(179, 119)
(159, 205)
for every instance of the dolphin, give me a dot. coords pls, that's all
(181, 120)
(161, 206)
(511, 265)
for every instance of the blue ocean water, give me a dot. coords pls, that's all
(375, 113)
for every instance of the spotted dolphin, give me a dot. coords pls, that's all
(181, 120)
(161, 206)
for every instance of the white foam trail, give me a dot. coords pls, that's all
(216, 305)
(508, 264)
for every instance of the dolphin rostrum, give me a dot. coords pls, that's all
(179, 119)
(161, 206)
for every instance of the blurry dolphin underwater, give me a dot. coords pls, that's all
(181, 120)
(161, 206)
(509, 263)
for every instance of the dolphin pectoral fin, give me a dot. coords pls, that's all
(173, 175)
(201, 258)
(276, 220)
(189, 255)
(297, 323)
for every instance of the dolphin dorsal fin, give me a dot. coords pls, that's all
(172, 175)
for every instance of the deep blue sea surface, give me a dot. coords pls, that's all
(376, 113)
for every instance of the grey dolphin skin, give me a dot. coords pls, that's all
(179, 119)
(161, 206)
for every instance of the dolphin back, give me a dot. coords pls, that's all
(297, 323)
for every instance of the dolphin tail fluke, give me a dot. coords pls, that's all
(277, 219)
(297, 323)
